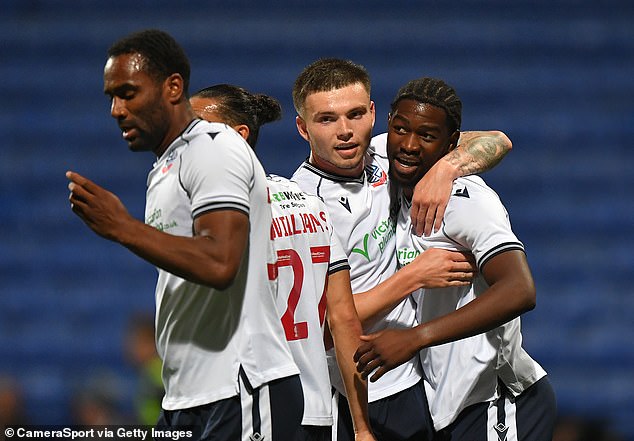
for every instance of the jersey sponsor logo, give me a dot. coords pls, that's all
(287, 200)
(256, 437)
(344, 201)
(375, 175)
(364, 251)
(462, 192)
(381, 234)
(154, 220)
(406, 255)
(298, 223)
(288, 196)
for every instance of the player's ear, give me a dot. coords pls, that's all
(453, 140)
(243, 130)
(174, 86)
(301, 127)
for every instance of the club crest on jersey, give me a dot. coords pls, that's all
(169, 162)
(375, 175)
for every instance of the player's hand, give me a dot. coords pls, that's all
(383, 351)
(430, 198)
(437, 268)
(100, 209)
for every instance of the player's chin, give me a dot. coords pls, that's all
(405, 178)
(408, 173)
(137, 144)
(350, 163)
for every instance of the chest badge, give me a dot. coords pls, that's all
(375, 175)
(169, 162)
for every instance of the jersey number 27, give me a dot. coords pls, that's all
(299, 330)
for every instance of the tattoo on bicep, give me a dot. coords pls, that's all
(476, 155)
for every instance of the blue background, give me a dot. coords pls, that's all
(557, 76)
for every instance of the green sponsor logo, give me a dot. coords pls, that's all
(382, 234)
(154, 220)
(287, 196)
(406, 255)
(364, 251)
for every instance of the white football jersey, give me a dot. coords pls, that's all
(466, 371)
(205, 335)
(360, 212)
(307, 252)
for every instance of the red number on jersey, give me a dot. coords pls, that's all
(299, 330)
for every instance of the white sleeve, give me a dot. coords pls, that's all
(217, 173)
(479, 223)
(338, 258)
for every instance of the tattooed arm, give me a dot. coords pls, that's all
(476, 152)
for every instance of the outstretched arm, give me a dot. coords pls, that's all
(211, 257)
(476, 152)
(434, 268)
(345, 329)
(511, 292)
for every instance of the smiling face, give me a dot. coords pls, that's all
(338, 125)
(418, 136)
(138, 103)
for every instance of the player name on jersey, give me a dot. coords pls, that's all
(297, 218)
(298, 223)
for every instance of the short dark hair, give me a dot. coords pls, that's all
(162, 54)
(327, 74)
(239, 106)
(435, 92)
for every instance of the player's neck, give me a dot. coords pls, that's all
(181, 119)
(408, 192)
